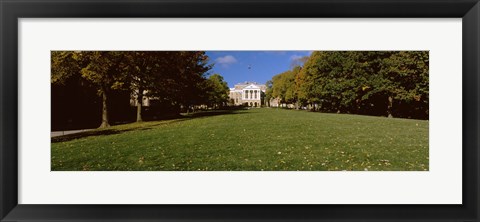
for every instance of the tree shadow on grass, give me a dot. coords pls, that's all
(213, 113)
(105, 132)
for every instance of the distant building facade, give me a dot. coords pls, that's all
(274, 102)
(134, 100)
(248, 94)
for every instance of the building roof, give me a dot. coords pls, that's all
(248, 85)
(252, 86)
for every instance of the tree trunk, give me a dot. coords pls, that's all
(139, 105)
(389, 108)
(105, 123)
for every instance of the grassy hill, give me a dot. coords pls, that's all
(256, 139)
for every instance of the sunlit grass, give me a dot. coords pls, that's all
(256, 139)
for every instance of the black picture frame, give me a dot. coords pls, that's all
(11, 11)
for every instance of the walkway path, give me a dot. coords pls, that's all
(61, 133)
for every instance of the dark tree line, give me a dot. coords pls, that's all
(382, 83)
(176, 79)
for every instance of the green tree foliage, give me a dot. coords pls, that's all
(190, 69)
(390, 83)
(218, 91)
(173, 77)
(283, 86)
(104, 70)
(170, 77)
(145, 71)
(268, 92)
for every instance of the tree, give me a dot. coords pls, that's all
(105, 70)
(176, 78)
(268, 92)
(284, 87)
(147, 70)
(279, 87)
(64, 65)
(218, 91)
(187, 83)
(391, 83)
(309, 83)
(407, 73)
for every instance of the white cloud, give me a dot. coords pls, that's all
(295, 57)
(225, 61)
(297, 60)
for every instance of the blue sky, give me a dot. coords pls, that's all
(255, 66)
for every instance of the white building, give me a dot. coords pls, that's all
(247, 93)
(134, 100)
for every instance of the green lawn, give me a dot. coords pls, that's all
(255, 139)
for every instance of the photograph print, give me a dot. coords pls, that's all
(239, 110)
